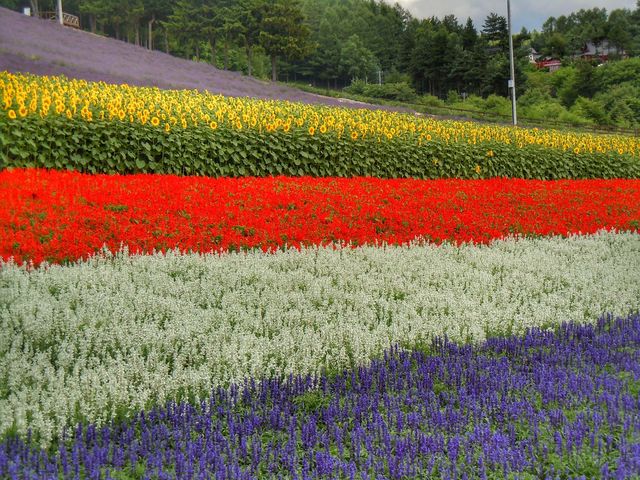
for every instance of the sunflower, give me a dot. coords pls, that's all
(312, 131)
(354, 135)
(23, 111)
(213, 125)
(155, 121)
(12, 114)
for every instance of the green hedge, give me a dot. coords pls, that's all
(122, 147)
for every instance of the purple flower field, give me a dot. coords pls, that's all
(548, 405)
(42, 47)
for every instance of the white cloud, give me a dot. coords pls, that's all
(525, 13)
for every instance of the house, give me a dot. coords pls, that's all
(552, 64)
(599, 51)
(534, 56)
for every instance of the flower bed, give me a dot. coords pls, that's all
(53, 122)
(110, 336)
(64, 216)
(125, 294)
(543, 406)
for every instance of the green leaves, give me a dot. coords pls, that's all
(114, 147)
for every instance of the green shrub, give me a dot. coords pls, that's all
(453, 97)
(400, 92)
(591, 110)
(430, 101)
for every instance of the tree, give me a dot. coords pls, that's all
(155, 11)
(619, 29)
(434, 55)
(387, 24)
(450, 22)
(249, 18)
(588, 26)
(11, 4)
(283, 32)
(186, 24)
(35, 7)
(556, 45)
(549, 26)
(230, 29)
(497, 73)
(133, 14)
(325, 61)
(97, 11)
(469, 35)
(357, 61)
(495, 32)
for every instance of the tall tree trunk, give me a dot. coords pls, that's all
(137, 27)
(150, 40)
(197, 51)
(274, 72)
(166, 41)
(35, 8)
(213, 43)
(92, 22)
(249, 59)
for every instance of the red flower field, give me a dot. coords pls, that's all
(62, 216)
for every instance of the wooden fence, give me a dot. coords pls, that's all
(68, 20)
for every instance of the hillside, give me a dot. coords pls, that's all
(43, 47)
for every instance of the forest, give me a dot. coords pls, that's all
(371, 48)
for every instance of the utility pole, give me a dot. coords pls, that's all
(59, 12)
(512, 80)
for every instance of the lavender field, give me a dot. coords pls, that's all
(43, 47)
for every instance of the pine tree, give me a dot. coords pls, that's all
(495, 32)
(283, 32)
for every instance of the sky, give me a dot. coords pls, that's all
(525, 13)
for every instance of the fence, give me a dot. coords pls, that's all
(67, 19)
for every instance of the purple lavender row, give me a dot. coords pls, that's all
(547, 405)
